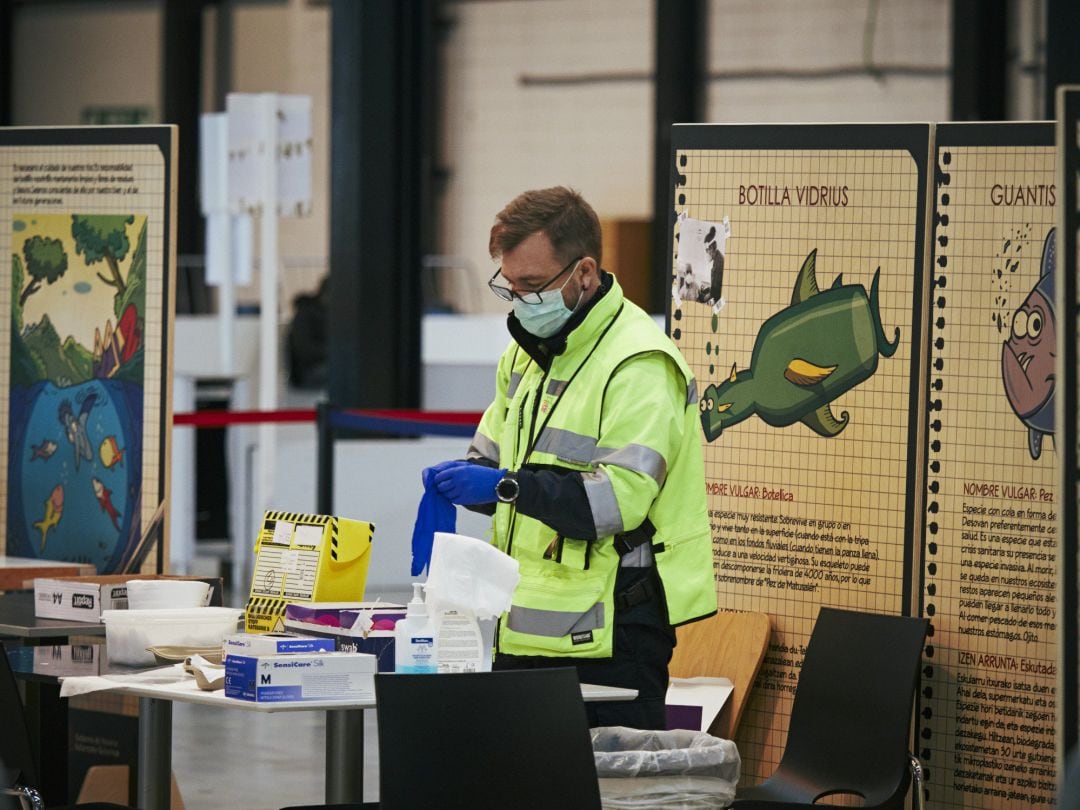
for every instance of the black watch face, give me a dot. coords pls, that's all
(507, 489)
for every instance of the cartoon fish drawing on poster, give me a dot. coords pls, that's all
(804, 357)
(75, 427)
(104, 499)
(111, 454)
(1028, 356)
(54, 508)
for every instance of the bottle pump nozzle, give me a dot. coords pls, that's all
(417, 606)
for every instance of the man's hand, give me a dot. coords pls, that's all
(429, 473)
(465, 483)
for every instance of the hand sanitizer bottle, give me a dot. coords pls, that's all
(414, 638)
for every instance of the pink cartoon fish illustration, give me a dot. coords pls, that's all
(104, 497)
(43, 451)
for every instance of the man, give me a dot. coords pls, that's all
(589, 459)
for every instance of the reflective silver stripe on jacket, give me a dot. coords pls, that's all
(636, 457)
(567, 445)
(603, 503)
(691, 393)
(554, 623)
(515, 381)
(556, 387)
(483, 447)
(640, 557)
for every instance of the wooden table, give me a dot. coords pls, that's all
(18, 573)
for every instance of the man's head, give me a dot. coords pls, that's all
(540, 233)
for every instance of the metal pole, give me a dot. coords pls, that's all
(324, 459)
(345, 756)
(154, 786)
(268, 301)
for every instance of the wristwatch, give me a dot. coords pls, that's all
(508, 488)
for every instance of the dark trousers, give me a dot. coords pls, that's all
(643, 644)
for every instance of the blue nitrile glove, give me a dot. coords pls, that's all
(429, 473)
(435, 514)
(466, 484)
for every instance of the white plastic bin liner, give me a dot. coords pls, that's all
(667, 769)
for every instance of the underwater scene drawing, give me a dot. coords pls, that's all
(76, 387)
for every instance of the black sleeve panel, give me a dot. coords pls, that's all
(556, 497)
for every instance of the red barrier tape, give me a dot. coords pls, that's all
(216, 419)
(208, 419)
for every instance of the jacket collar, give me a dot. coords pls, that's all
(582, 327)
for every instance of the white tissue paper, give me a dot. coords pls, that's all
(70, 687)
(470, 575)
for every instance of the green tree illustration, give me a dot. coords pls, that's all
(45, 261)
(103, 237)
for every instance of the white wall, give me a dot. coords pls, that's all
(285, 48)
(776, 35)
(503, 135)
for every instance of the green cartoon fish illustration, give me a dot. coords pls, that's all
(804, 357)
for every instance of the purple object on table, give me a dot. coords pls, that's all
(688, 717)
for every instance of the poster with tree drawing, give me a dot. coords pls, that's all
(86, 226)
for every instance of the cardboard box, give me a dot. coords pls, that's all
(319, 676)
(305, 558)
(338, 621)
(83, 598)
(255, 644)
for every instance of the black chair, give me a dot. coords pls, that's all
(483, 741)
(850, 726)
(18, 775)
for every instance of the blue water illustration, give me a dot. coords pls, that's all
(74, 472)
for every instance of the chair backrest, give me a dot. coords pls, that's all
(16, 756)
(850, 725)
(730, 645)
(517, 738)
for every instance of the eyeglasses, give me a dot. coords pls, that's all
(530, 297)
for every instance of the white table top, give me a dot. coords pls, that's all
(188, 692)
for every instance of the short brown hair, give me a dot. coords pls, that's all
(561, 213)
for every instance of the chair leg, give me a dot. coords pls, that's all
(916, 780)
(29, 799)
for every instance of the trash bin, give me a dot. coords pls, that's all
(690, 770)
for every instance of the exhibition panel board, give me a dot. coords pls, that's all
(798, 301)
(1067, 426)
(87, 217)
(990, 702)
(869, 313)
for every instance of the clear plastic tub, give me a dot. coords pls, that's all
(128, 633)
(690, 770)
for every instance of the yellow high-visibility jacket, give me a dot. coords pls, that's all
(620, 406)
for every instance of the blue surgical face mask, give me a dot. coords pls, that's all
(547, 317)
